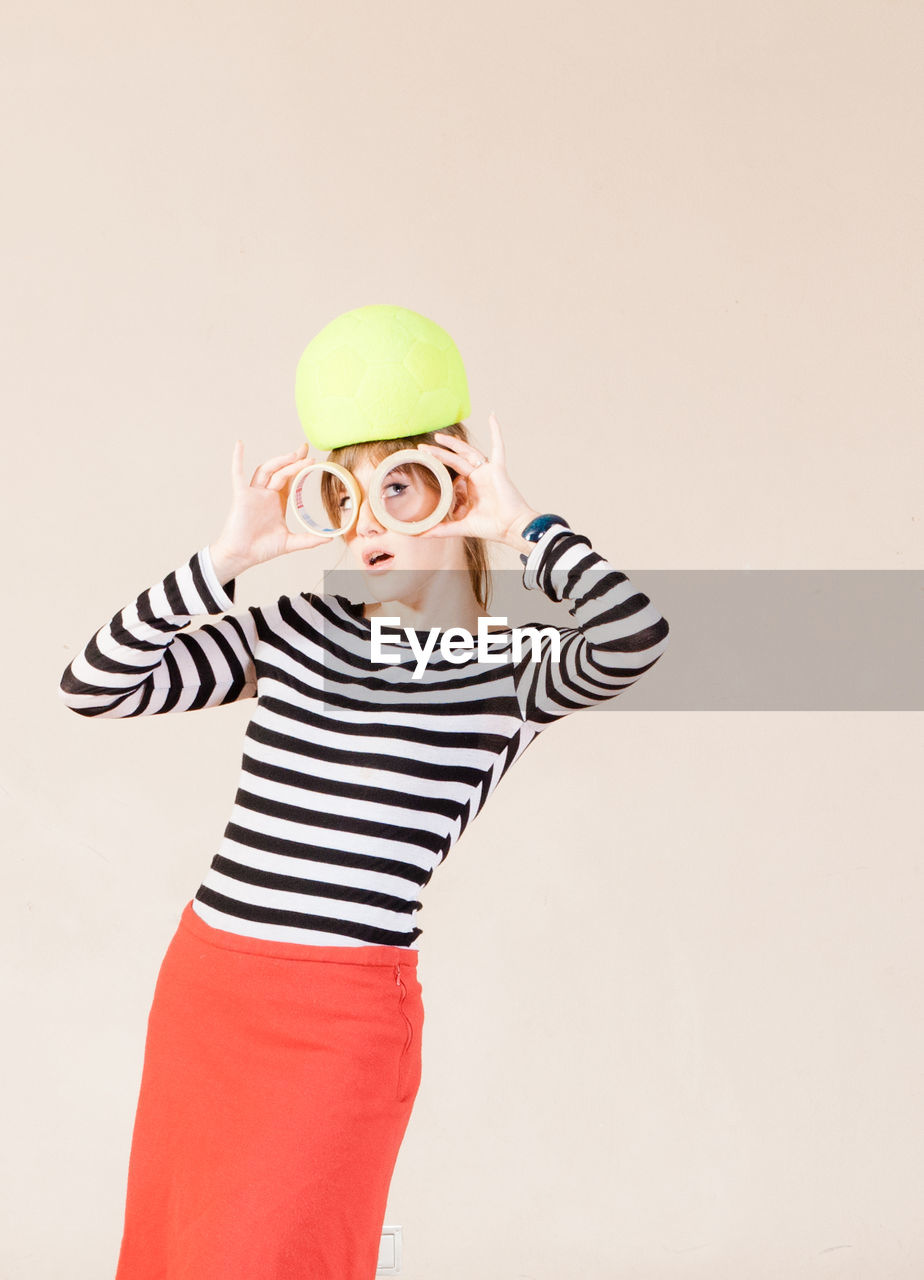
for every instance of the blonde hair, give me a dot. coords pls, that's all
(373, 451)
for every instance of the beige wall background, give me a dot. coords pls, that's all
(673, 973)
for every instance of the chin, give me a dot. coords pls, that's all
(392, 585)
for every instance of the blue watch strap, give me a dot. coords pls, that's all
(537, 527)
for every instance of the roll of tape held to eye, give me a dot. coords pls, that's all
(400, 497)
(299, 511)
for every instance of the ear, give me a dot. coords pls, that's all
(461, 498)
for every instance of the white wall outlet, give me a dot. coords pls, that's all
(389, 1252)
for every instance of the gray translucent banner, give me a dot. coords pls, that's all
(740, 639)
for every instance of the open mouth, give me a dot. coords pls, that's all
(376, 559)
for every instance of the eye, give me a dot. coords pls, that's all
(396, 484)
(343, 501)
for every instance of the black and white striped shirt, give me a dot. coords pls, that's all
(356, 779)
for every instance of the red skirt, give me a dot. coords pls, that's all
(277, 1085)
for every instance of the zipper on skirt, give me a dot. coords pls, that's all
(401, 987)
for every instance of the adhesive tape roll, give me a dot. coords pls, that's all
(426, 516)
(297, 504)
(415, 500)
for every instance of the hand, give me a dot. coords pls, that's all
(497, 509)
(255, 529)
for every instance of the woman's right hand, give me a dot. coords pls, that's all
(256, 529)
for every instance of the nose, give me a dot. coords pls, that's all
(366, 524)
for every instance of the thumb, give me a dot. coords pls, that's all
(443, 530)
(305, 541)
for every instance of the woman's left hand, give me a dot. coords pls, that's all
(497, 509)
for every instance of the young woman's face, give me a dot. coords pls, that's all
(406, 497)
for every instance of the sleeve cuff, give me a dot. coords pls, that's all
(224, 599)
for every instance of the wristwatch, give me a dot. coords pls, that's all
(537, 527)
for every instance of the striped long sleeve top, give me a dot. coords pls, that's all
(357, 777)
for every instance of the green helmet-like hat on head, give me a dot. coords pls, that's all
(377, 373)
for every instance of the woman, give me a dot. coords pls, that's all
(283, 1050)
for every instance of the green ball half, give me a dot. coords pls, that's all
(376, 373)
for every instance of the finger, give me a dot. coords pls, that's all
(267, 468)
(467, 450)
(455, 460)
(279, 477)
(274, 463)
(446, 529)
(303, 541)
(498, 453)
